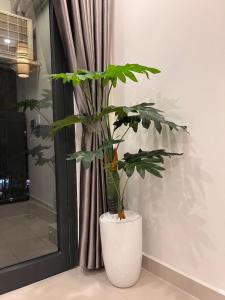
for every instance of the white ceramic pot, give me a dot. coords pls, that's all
(122, 247)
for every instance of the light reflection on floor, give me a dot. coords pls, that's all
(23, 235)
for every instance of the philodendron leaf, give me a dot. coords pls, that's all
(109, 143)
(145, 161)
(78, 76)
(143, 113)
(87, 157)
(111, 75)
(116, 72)
(67, 122)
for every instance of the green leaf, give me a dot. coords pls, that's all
(146, 122)
(109, 143)
(114, 72)
(145, 161)
(78, 76)
(122, 77)
(105, 81)
(87, 157)
(154, 172)
(114, 82)
(141, 171)
(68, 121)
(131, 76)
(129, 170)
(105, 111)
(111, 75)
(158, 126)
(143, 113)
(132, 121)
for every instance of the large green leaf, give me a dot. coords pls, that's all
(143, 113)
(111, 75)
(67, 122)
(78, 76)
(117, 72)
(87, 157)
(132, 116)
(145, 161)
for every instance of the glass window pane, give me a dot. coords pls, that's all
(28, 214)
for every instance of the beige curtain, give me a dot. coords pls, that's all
(85, 31)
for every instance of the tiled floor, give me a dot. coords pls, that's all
(77, 285)
(22, 236)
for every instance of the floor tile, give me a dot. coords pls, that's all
(78, 285)
(39, 227)
(154, 286)
(22, 237)
(7, 258)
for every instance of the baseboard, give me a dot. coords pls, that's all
(41, 210)
(182, 281)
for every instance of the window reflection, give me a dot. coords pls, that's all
(28, 226)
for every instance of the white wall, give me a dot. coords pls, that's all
(184, 214)
(5, 5)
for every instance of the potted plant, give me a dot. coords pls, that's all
(121, 230)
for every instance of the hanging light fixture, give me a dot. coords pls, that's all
(16, 46)
(22, 60)
(23, 65)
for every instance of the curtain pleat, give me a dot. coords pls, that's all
(85, 32)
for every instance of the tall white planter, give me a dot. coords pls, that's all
(122, 247)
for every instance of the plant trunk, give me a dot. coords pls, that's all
(114, 200)
(113, 190)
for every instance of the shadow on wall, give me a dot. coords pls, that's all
(173, 225)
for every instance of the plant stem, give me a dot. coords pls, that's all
(113, 132)
(103, 89)
(108, 126)
(121, 175)
(120, 200)
(89, 100)
(103, 131)
(124, 188)
(107, 117)
(107, 98)
(123, 136)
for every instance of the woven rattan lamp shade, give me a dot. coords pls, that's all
(23, 63)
